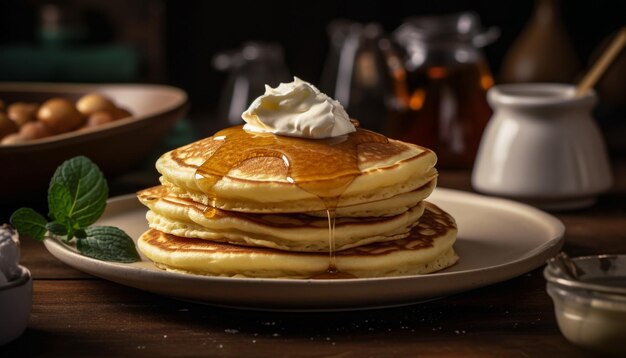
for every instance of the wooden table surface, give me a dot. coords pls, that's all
(75, 314)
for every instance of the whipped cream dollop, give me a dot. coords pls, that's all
(9, 255)
(297, 109)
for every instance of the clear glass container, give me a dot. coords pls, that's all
(355, 72)
(440, 81)
(249, 68)
(591, 310)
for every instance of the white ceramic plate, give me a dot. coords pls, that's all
(498, 240)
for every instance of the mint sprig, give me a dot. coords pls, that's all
(76, 199)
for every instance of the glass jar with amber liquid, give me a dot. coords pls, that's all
(440, 79)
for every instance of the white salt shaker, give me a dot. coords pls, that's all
(542, 146)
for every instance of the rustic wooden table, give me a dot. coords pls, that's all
(75, 314)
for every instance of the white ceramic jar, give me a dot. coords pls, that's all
(542, 146)
(16, 299)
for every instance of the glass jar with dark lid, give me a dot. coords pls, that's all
(440, 82)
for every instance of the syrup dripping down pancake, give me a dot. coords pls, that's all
(262, 184)
(254, 205)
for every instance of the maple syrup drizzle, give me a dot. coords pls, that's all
(322, 167)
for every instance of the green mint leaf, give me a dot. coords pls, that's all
(59, 203)
(88, 192)
(29, 222)
(56, 228)
(108, 243)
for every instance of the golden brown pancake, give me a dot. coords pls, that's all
(428, 248)
(294, 232)
(262, 184)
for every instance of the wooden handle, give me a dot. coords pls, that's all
(603, 63)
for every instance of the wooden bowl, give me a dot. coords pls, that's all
(27, 167)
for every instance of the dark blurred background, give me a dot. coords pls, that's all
(173, 42)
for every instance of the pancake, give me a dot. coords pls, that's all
(261, 183)
(386, 207)
(293, 232)
(427, 249)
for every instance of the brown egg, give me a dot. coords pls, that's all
(34, 130)
(21, 112)
(98, 118)
(12, 138)
(60, 115)
(7, 126)
(94, 102)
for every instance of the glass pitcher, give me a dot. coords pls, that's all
(250, 68)
(440, 80)
(355, 72)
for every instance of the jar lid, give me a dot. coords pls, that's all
(460, 27)
(599, 273)
(268, 52)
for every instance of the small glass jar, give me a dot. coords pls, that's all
(355, 72)
(250, 69)
(591, 310)
(439, 90)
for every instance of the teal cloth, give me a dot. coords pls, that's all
(106, 63)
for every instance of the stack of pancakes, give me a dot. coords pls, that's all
(256, 221)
